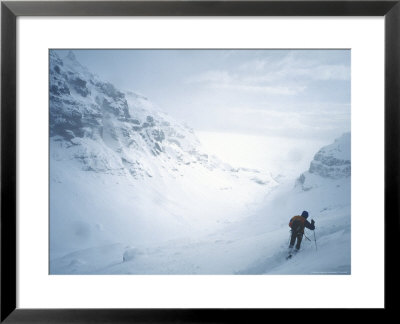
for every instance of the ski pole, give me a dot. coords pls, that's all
(315, 240)
(306, 237)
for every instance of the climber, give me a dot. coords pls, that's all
(297, 224)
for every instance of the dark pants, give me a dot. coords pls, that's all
(299, 237)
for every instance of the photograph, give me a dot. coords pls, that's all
(199, 161)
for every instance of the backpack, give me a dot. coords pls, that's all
(297, 224)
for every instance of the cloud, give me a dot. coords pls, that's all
(231, 81)
(217, 76)
(288, 75)
(262, 89)
(289, 69)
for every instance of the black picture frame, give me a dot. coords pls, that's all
(10, 10)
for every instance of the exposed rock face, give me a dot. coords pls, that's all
(333, 161)
(330, 162)
(109, 125)
(119, 132)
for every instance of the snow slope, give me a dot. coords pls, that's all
(122, 171)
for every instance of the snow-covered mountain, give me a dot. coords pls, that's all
(115, 131)
(121, 170)
(331, 162)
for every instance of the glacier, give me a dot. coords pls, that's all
(132, 191)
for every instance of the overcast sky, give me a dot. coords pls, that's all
(301, 95)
